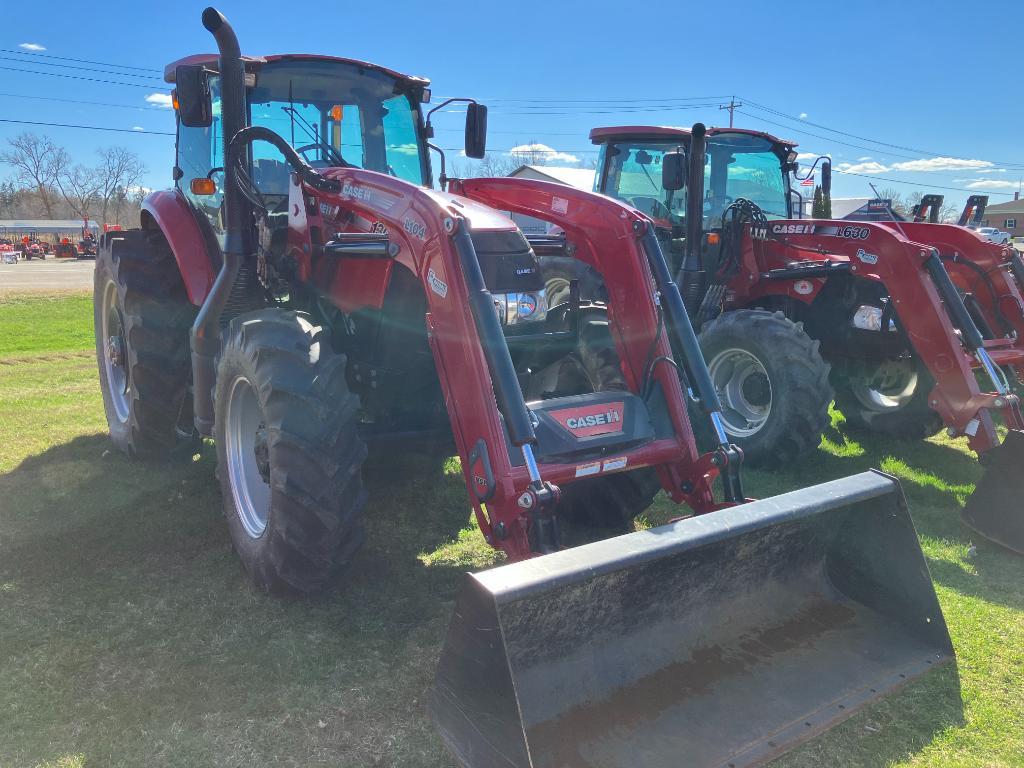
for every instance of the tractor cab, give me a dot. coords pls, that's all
(739, 164)
(334, 112)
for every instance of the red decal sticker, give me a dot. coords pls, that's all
(591, 420)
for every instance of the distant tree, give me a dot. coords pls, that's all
(818, 206)
(79, 186)
(8, 199)
(899, 202)
(38, 164)
(119, 170)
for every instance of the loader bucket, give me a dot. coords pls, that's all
(995, 509)
(720, 640)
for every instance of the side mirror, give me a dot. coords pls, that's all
(476, 131)
(192, 96)
(826, 179)
(673, 170)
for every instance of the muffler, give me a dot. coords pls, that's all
(720, 640)
(996, 510)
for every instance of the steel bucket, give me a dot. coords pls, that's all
(720, 640)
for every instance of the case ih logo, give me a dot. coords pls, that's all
(793, 229)
(359, 193)
(591, 420)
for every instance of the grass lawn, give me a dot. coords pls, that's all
(130, 637)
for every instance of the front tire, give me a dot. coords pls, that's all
(772, 381)
(891, 399)
(289, 456)
(142, 317)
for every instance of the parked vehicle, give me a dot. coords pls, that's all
(331, 298)
(876, 298)
(994, 235)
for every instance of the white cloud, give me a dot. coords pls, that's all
(868, 167)
(941, 164)
(993, 170)
(545, 152)
(992, 184)
(803, 115)
(802, 156)
(138, 128)
(34, 47)
(160, 99)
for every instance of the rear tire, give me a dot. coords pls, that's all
(289, 456)
(895, 407)
(559, 271)
(772, 381)
(142, 318)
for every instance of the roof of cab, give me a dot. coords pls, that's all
(609, 133)
(211, 59)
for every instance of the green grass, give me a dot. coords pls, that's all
(129, 635)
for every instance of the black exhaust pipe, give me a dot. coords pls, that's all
(206, 329)
(692, 276)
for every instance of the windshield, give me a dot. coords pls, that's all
(632, 173)
(737, 165)
(334, 114)
(741, 165)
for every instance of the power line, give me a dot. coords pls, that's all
(89, 79)
(86, 127)
(918, 184)
(82, 101)
(755, 105)
(83, 61)
(79, 68)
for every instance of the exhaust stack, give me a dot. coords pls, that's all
(205, 333)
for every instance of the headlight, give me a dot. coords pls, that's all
(869, 318)
(517, 308)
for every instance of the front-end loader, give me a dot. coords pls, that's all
(302, 291)
(904, 341)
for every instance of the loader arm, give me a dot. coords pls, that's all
(979, 267)
(879, 253)
(617, 241)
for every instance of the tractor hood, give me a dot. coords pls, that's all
(478, 216)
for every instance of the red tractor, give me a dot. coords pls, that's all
(902, 339)
(302, 292)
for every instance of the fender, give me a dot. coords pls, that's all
(171, 212)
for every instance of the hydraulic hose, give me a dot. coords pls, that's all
(247, 136)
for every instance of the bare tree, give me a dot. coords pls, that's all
(38, 164)
(119, 170)
(79, 186)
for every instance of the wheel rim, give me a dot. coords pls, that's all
(115, 352)
(247, 457)
(890, 388)
(557, 291)
(745, 390)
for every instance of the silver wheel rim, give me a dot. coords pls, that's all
(890, 388)
(745, 391)
(115, 352)
(248, 465)
(557, 291)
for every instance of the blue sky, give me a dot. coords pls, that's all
(935, 83)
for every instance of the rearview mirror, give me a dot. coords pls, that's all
(673, 170)
(476, 131)
(192, 96)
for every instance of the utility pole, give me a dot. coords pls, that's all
(732, 106)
